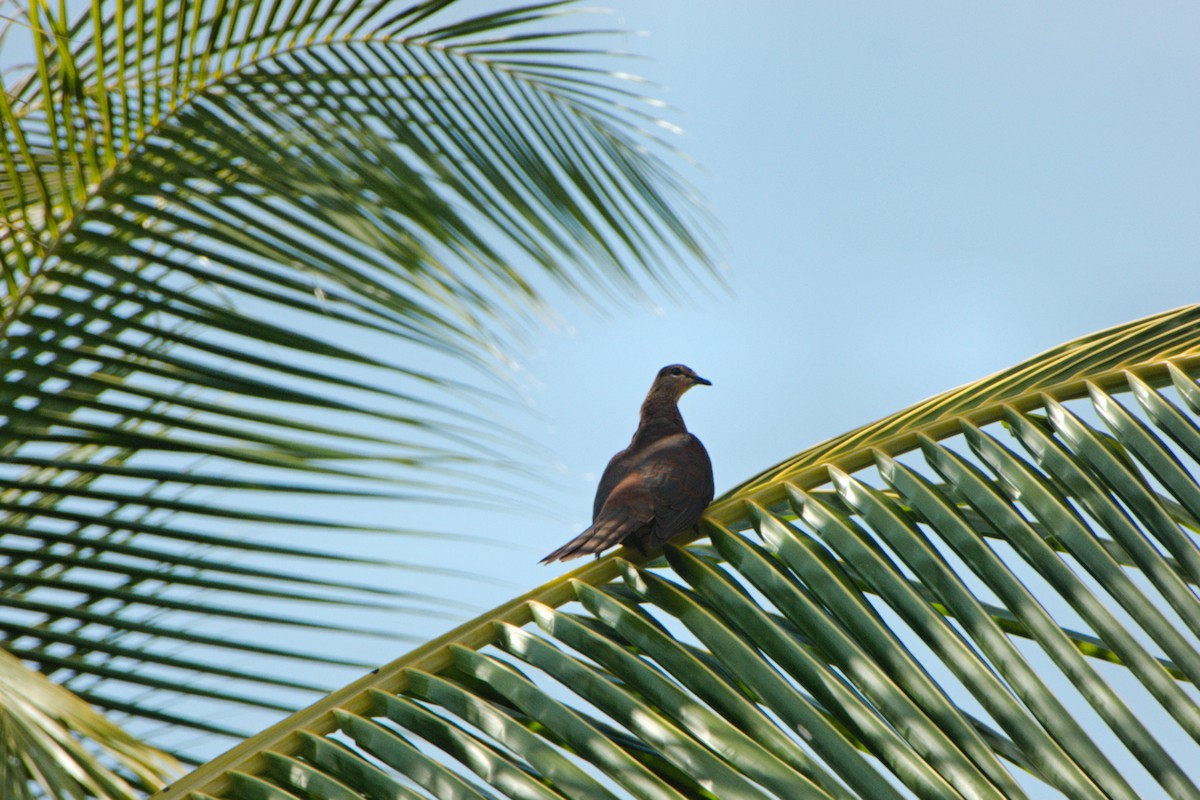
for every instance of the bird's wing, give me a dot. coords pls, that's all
(616, 470)
(628, 508)
(678, 475)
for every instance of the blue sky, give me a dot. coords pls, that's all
(909, 197)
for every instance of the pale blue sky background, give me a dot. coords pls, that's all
(910, 197)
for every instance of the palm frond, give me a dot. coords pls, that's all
(991, 594)
(49, 740)
(234, 236)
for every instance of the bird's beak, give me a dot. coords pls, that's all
(702, 381)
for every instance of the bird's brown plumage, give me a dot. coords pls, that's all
(656, 487)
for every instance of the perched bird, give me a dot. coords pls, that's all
(656, 487)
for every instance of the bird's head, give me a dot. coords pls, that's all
(675, 379)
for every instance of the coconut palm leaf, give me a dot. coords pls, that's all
(234, 237)
(43, 730)
(991, 594)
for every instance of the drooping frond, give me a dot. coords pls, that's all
(991, 594)
(261, 267)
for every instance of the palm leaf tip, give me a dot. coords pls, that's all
(55, 744)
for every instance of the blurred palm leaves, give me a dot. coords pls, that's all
(41, 725)
(991, 594)
(234, 236)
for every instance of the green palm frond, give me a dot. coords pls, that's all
(991, 594)
(234, 236)
(49, 739)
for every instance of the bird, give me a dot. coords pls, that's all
(656, 487)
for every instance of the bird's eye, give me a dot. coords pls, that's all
(676, 371)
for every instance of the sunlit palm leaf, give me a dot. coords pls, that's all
(48, 738)
(991, 594)
(233, 236)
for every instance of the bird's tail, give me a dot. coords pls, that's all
(600, 536)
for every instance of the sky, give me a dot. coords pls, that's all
(909, 197)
